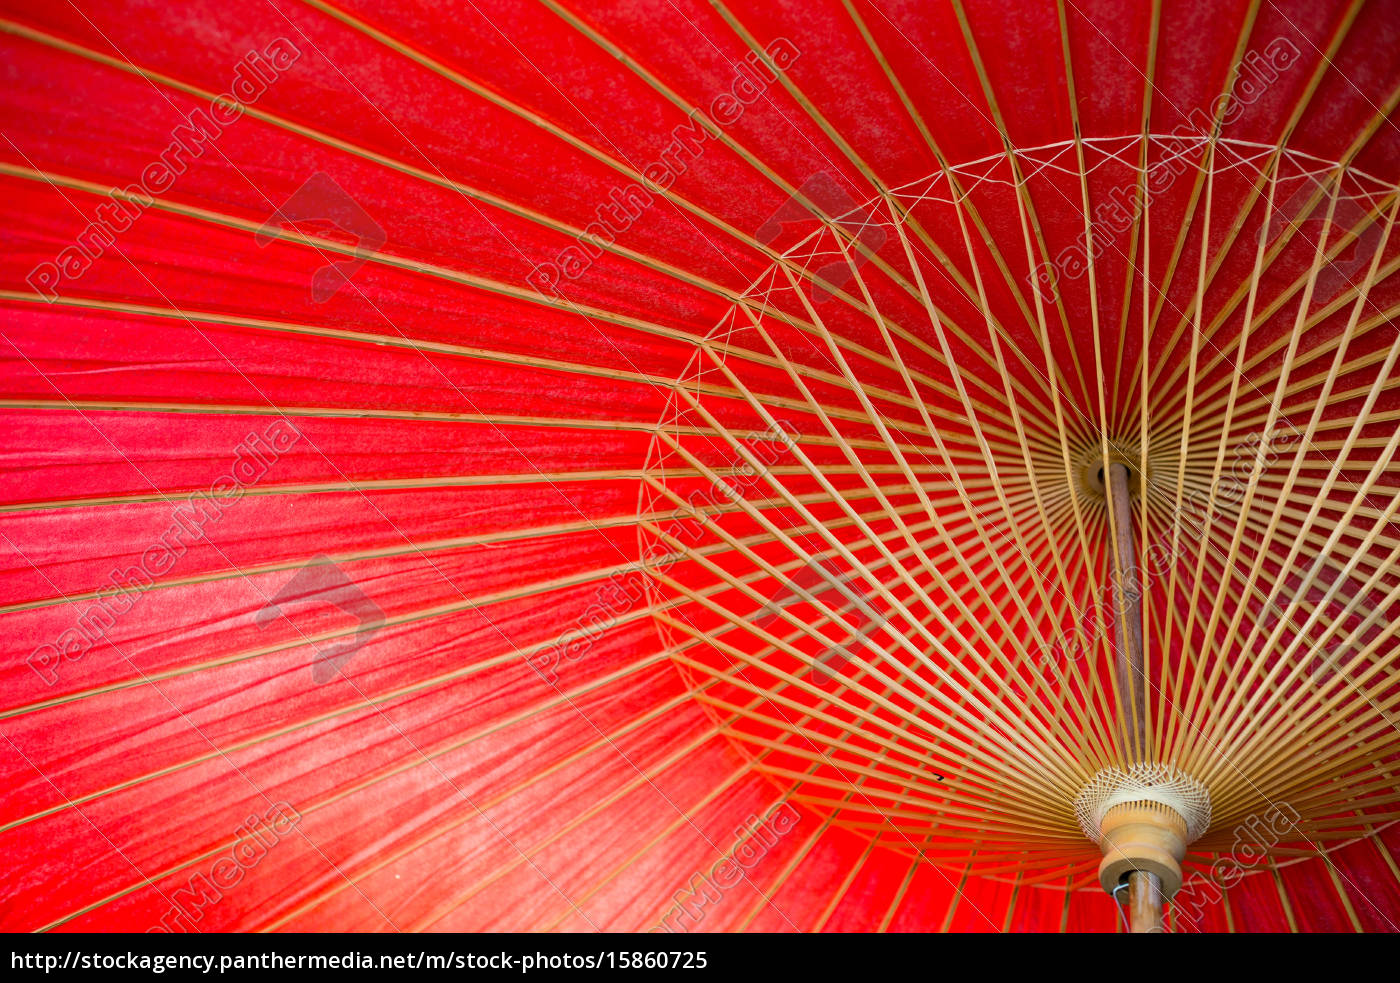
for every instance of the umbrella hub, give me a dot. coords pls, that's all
(1142, 819)
(1089, 476)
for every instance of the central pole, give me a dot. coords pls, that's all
(1132, 691)
(1144, 888)
(1144, 902)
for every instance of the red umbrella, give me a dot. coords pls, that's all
(828, 466)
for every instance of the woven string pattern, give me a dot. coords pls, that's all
(1145, 781)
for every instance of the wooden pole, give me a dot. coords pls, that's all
(1132, 691)
(1144, 902)
(1144, 888)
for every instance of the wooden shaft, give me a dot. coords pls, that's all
(1132, 688)
(1144, 902)
(1144, 888)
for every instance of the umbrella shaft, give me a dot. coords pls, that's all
(1132, 695)
(1144, 902)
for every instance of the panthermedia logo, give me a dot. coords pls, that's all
(318, 203)
(321, 581)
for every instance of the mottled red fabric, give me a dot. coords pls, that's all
(461, 454)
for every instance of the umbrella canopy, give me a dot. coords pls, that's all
(572, 467)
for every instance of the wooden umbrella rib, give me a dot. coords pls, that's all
(1349, 236)
(969, 812)
(390, 621)
(1366, 704)
(388, 552)
(844, 888)
(792, 866)
(1256, 757)
(627, 170)
(597, 808)
(854, 786)
(362, 704)
(1125, 672)
(1315, 417)
(884, 748)
(1076, 509)
(435, 177)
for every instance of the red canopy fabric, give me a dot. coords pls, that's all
(361, 358)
